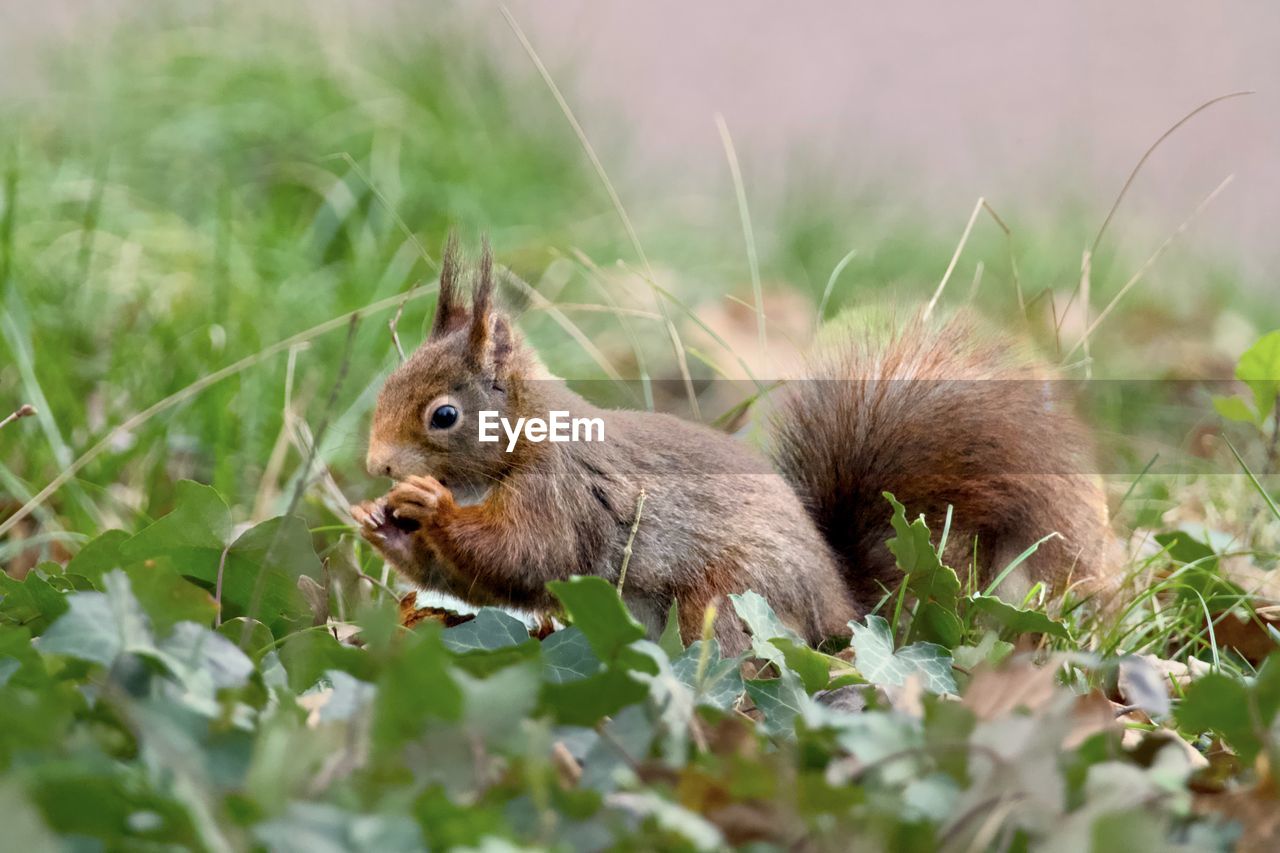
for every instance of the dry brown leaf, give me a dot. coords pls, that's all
(1141, 740)
(412, 615)
(1256, 809)
(1092, 713)
(1249, 637)
(1018, 684)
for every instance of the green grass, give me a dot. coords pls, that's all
(213, 195)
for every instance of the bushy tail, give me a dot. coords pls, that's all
(943, 415)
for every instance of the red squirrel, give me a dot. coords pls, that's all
(938, 415)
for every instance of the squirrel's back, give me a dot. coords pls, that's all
(943, 415)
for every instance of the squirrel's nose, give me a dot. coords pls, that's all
(378, 461)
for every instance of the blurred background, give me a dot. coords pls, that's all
(187, 190)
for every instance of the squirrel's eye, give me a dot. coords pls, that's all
(444, 417)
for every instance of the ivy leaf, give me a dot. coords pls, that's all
(414, 687)
(596, 609)
(926, 577)
(491, 629)
(720, 684)
(307, 655)
(204, 662)
(880, 664)
(100, 626)
(99, 556)
(267, 561)
(350, 696)
(587, 701)
(567, 656)
(671, 700)
(167, 598)
(32, 602)
(764, 626)
(200, 522)
(698, 832)
(1016, 620)
(494, 706)
(780, 699)
(260, 637)
(259, 570)
(323, 828)
(812, 666)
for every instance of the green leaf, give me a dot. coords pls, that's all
(491, 629)
(100, 626)
(167, 598)
(324, 828)
(697, 832)
(926, 576)
(493, 707)
(414, 687)
(448, 826)
(567, 656)
(267, 560)
(32, 602)
(720, 684)
(1241, 713)
(763, 624)
(670, 700)
(260, 570)
(260, 637)
(587, 701)
(204, 661)
(1185, 547)
(780, 699)
(990, 650)
(482, 663)
(1014, 619)
(880, 664)
(812, 666)
(1235, 409)
(936, 624)
(99, 556)
(200, 520)
(596, 609)
(947, 723)
(24, 828)
(308, 654)
(350, 696)
(1259, 368)
(670, 640)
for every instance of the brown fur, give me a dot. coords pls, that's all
(940, 416)
(493, 527)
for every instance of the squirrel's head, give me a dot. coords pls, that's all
(425, 422)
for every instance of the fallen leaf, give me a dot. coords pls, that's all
(411, 614)
(1018, 684)
(1252, 638)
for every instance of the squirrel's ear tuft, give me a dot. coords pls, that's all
(481, 307)
(489, 339)
(448, 311)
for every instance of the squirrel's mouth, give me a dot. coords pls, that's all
(404, 525)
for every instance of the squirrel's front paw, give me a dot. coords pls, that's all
(371, 519)
(415, 501)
